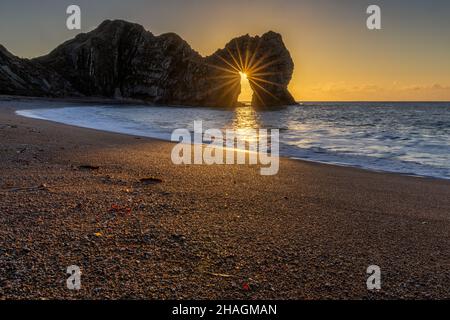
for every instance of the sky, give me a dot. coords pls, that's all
(337, 58)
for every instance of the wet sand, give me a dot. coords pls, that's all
(73, 196)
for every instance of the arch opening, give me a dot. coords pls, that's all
(246, 95)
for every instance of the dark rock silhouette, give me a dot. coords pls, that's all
(122, 60)
(266, 61)
(29, 78)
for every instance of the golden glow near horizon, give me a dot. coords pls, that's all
(317, 77)
(246, 90)
(245, 121)
(245, 118)
(336, 57)
(244, 70)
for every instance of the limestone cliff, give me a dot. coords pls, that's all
(122, 60)
(28, 78)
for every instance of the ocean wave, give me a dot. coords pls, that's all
(407, 138)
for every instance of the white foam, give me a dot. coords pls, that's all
(401, 138)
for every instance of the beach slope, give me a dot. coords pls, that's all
(140, 227)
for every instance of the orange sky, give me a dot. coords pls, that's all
(336, 57)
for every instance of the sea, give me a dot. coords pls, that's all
(411, 138)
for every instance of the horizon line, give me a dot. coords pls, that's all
(382, 101)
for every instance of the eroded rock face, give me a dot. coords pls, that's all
(267, 63)
(122, 60)
(26, 78)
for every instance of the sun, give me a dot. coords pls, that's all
(246, 89)
(245, 71)
(244, 76)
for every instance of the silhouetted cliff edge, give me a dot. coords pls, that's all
(120, 59)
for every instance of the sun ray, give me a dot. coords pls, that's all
(234, 59)
(256, 94)
(265, 81)
(223, 85)
(263, 66)
(222, 68)
(232, 66)
(236, 63)
(259, 74)
(247, 53)
(257, 62)
(263, 89)
(241, 65)
(230, 89)
(231, 76)
(253, 57)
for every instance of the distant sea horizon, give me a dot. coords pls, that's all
(373, 101)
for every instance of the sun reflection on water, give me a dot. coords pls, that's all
(246, 123)
(245, 117)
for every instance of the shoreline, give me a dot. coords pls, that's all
(142, 228)
(81, 102)
(411, 175)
